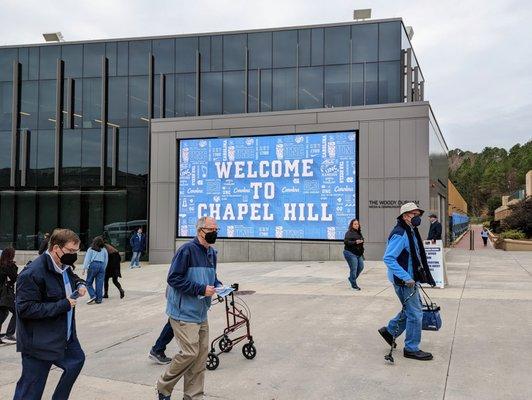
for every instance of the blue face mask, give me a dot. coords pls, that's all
(416, 221)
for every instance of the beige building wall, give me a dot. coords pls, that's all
(456, 202)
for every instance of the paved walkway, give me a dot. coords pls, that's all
(317, 339)
(464, 243)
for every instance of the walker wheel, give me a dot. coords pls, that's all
(249, 351)
(212, 362)
(225, 345)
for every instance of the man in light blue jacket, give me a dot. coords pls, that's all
(191, 282)
(407, 266)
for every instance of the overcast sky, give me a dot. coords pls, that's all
(476, 55)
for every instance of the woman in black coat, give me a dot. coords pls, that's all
(354, 252)
(8, 277)
(113, 271)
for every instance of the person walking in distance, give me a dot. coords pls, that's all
(138, 245)
(484, 235)
(407, 266)
(112, 271)
(191, 280)
(435, 229)
(95, 262)
(354, 252)
(46, 319)
(8, 278)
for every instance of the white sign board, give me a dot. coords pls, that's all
(435, 260)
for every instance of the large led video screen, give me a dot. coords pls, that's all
(297, 186)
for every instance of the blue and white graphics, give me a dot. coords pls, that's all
(289, 186)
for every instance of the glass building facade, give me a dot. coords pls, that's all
(74, 117)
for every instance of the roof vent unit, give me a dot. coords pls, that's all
(361, 14)
(53, 37)
(410, 32)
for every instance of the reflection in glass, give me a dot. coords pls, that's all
(337, 45)
(234, 52)
(357, 84)
(47, 104)
(317, 46)
(70, 210)
(390, 41)
(139, 51)
(138, 101)
(92, 98)
(164, 55)
(47, 214)
(211, 93)
(284, 89)
(45, 158)
(91, 217)
(6, 96)
(233, 92)
(205, 52)
(29, 105)
(72, 55)
(372, 86)
(284, 49)
(26, 238)
(7, 219)
(5, 159)
(169, 86)
(137, 153)
(115, 227)
(304, 47)
(337, 86)
(48, 61)
(185, 90)
(7, 56)
(71, 159)
(92, 59)
(311, 87)
(117, 106)
(90, 158)
(260, 50)
(389, 82)
(122, 58)
(365, 42)
(110, 53)
(185, 54)
(216, 53)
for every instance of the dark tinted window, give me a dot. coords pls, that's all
(46, 214)
(233, 92)
(71, 158)
(266, 87)
(389, 82)
(284, 49)
(317, 46)
(32, 173)
(72, 55)
(311, 87)
(205, 52)
(357, 84)
(337, 45)
(23, 59)
(6, 96)
(29, 104)
(164, 53)
(33, 63)
(115, 218)
(92, 59)
(365, 42)
(234, 52)
(185, 53)
(25, 217)
(45, 157)
(47, 104)
(137, 152)
(70, 210)
(78, 103)
(139, 51)
(91, 217)
(122, 157)
(48, 61)
(337, 86)
(211, 93)
(389, 41)
(304, 47)
(260, 50)
(216, 59)
(92, 100)
(7, 56)
(110, 53)
(284, 89)
(5, 161)
(138, 101)
(122, 58)
(168, 100)
(372, 87)
(117, 107)
(90, 158)
(185, 94)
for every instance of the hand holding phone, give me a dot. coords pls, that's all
(74, 295)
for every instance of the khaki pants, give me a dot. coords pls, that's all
(190, 361)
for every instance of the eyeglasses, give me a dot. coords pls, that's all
(211, 229)
(71, 251)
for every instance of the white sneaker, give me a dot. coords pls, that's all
(91, 300)
(9, 340)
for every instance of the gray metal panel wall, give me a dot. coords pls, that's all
(393, 165)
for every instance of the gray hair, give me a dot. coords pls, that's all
(202, 221)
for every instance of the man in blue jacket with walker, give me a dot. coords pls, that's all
(407, 266)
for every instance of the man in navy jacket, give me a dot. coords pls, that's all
(138, 246)
(435, 228)
(46, 325)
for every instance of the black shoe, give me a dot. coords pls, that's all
(356, 287)
(387, 336)
(161, 396)
(418, 355)
(105, 296)
(122, 293)
(159, 358)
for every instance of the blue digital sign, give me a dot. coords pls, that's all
(298, 186)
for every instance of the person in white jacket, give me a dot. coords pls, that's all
(95, 262)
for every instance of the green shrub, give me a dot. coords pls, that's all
(513, 234)
(520, 218)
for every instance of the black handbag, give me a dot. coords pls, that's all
(7, 295)
(431, 313)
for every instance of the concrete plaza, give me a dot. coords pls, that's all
(317, 339)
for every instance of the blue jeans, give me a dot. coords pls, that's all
(356, 265)
(166, 336)
(97, 275)
(135, 259)
(410, 318)
(31, 384)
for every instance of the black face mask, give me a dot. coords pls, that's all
(210, 237)
(416, 221)
(69, 258)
